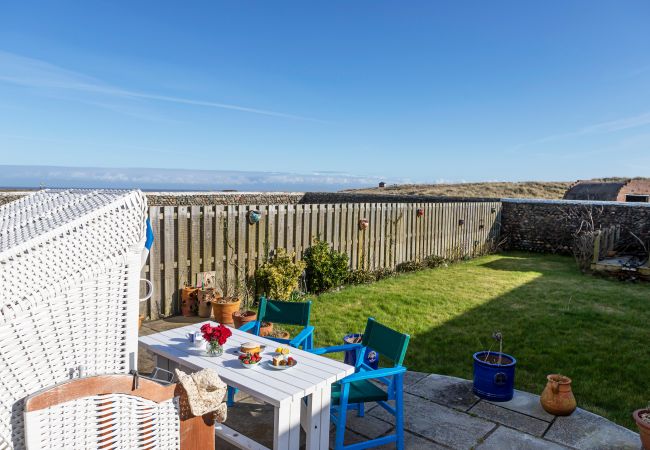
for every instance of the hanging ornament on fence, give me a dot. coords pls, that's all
(254, 216)
(363, 224)
(419, 212)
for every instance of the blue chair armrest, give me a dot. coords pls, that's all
(248, 326)
(304, 334)
(372, 374)
(335, 348)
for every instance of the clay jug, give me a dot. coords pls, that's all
(557, 398)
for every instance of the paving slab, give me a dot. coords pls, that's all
(450, 391)
(526, 403)
(439, 423)
(513, 419)
(368, 426)
(585, 430)
(505, 438)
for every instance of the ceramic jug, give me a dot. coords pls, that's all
(557, 397)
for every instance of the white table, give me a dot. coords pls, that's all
(286, 390)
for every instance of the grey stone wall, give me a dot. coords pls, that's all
(351, 197)
(549, 225)
(199, 198)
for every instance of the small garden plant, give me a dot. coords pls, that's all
(326, 268)
(278, 278)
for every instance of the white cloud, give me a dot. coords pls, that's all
(611, 126)
(34, 73)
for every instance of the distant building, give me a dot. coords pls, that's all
(633, 190)
(382, 184)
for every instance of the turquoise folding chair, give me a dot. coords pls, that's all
(355, 390)
(285, 313)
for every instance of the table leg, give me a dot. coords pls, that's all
(286, 434)
(316, 419)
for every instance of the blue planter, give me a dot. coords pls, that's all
(371, 359)
(493, 381)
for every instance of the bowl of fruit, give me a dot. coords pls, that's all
(250, 360)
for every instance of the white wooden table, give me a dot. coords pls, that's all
(300, 395)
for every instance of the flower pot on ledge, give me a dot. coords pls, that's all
(242, 317)
(494, 376)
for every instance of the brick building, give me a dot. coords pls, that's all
(633, 190)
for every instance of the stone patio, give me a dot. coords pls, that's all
(441, 412)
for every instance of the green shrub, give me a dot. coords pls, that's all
(326, 268)
(433, 261)
(410, 266)
(386, 272)
(361, 276)
(279, 276)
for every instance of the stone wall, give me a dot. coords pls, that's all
(199, 198)
(351, 197)
(548, 225)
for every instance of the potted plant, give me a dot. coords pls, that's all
(215, 337)
(266, 328)
(494, 373)
(223, 307)
(206, 297)
(244, 314)
(278, 333)
(189, 300)
(642, 419)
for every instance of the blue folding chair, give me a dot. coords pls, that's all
(355, 390)
(285, 313)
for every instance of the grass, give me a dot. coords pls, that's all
(496, 189)
(554, 320)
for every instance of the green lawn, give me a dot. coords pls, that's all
(553, 318)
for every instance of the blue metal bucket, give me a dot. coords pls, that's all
(493, 381)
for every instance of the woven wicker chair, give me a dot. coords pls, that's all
(70, 269)
(107, 412)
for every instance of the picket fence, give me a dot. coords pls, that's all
(193, 239)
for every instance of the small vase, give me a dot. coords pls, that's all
(557, 397)
(213, 348)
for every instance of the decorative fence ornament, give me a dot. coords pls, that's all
(419, 212)
(254, 216)
(363, 224)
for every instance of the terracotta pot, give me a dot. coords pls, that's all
(266, 328)
(644, 427)
(281, 335)
(206, 297)
(223, 308)
(557, 397)
(242, 317)
(189, 301)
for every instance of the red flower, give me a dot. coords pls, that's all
(220, 333)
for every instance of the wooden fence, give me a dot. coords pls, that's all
(192, 239)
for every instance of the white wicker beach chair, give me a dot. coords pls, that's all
(69, 285)
(109, 412)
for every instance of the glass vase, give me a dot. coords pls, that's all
(212, 348)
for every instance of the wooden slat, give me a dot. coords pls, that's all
(154, 307)
(219, 244)
(195, 242)
(231, 261)
(182, 248)
(170, 293)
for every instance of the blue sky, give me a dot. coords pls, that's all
(407, 91)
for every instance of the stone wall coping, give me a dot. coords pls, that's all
(542, 201)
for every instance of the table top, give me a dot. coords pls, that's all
(273, 386)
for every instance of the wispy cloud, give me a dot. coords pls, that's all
(35, 73)
(611, 126)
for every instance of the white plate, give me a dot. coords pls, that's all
(270, 365)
